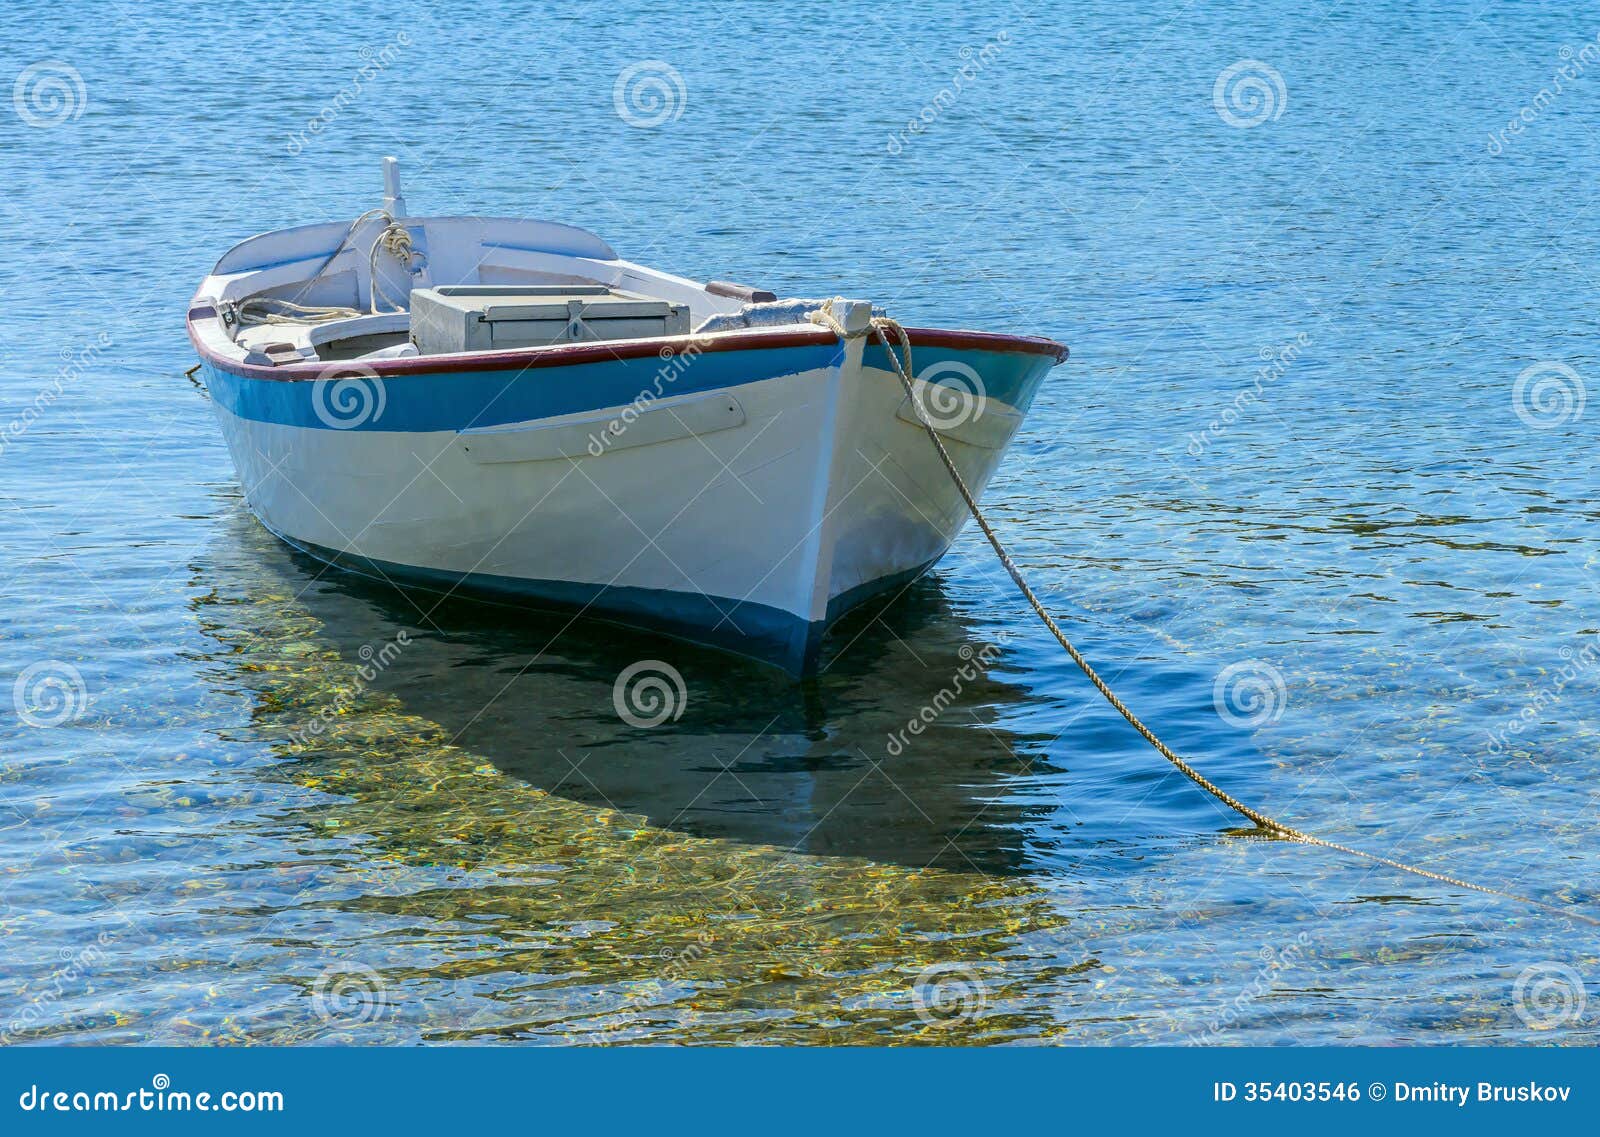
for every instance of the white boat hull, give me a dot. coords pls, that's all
(748, 517)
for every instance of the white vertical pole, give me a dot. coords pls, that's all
(393, 202)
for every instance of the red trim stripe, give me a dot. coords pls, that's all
(960, 340)
(567, 355)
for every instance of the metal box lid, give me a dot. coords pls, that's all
(493, 303)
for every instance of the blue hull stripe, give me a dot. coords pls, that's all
(459, 401)
(446, 401)
(1011, 377)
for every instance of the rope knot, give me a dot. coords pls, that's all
(829, 318)
(889, 332)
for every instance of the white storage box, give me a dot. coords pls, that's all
(498, 317)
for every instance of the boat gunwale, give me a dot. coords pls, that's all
(568, 355)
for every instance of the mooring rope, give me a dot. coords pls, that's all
(255, 310)
(890, 332)
(394, 239)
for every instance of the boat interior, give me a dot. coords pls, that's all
(349, 291)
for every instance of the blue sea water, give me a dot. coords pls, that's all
(1316, 491)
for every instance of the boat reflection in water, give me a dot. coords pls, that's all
(893, 754)
(458, 824)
